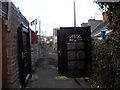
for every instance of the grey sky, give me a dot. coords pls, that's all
(56, 13)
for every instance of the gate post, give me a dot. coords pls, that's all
(0, 52)
(0, 45)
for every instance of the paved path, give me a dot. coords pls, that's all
(46, 75)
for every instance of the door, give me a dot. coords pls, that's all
(4, 56)
(0, 45)
(24, 54)
(74, 51)
(0, 53)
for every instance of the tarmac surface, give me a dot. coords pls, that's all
(45, 74)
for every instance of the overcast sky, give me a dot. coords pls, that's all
(58, 13)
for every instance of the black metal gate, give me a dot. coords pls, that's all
(74, 51)
(24, 54)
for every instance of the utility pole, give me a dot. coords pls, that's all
(74, 14)
(39, 27)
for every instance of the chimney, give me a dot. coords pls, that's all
(105, 16)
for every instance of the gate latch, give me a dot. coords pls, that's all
(59, 51)
(23, 55)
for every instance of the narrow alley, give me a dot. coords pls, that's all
(45, 74)
(59, 44)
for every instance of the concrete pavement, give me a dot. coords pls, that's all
(45, 74)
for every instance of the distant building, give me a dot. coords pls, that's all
(98, 26)
(93, 23)
(102, 27)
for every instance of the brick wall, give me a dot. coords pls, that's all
(37, 48)
(34, 53)
(37, 51)
(12, 53)
(10, 60)
(34, 37)
(34, 47)
(16, 18)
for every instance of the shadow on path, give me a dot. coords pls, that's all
(45, 73)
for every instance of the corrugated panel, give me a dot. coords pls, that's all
(4, 9)
(16, 12)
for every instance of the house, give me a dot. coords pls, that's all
(93, 23)
(15, 47)
(97, 31)
(101, 28)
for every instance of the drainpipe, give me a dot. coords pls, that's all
(9, 15)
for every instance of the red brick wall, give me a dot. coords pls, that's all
(13, 80)
(12, 53)
(10, 59)
(34, 37)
